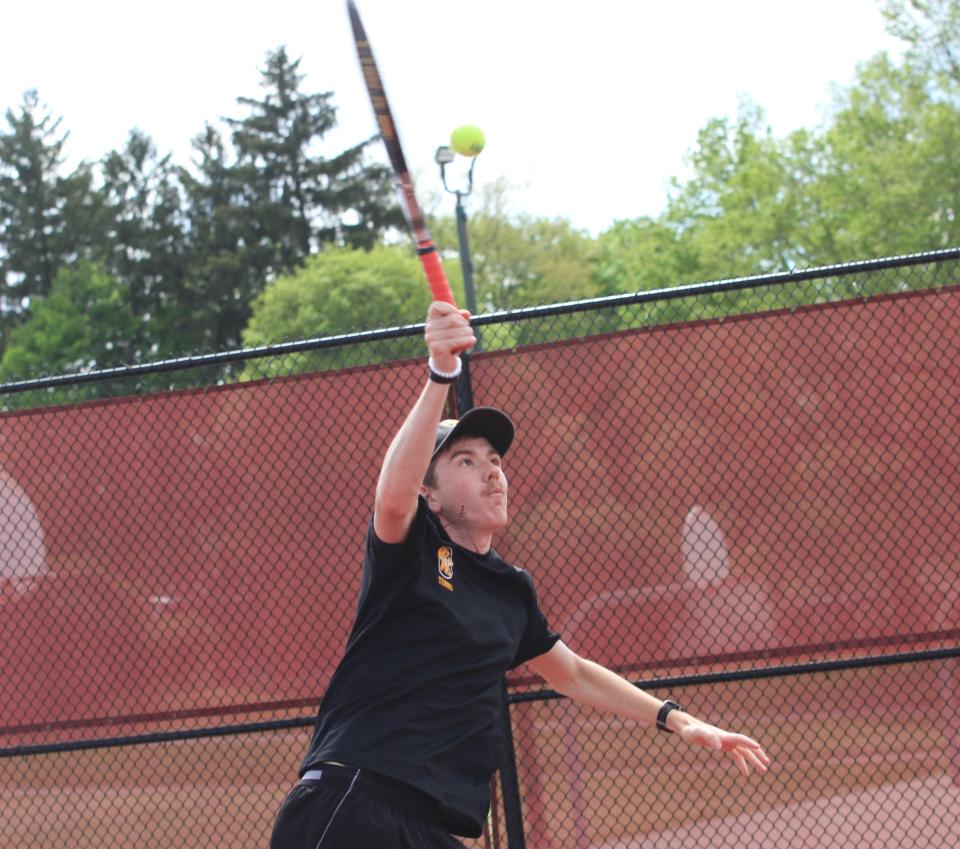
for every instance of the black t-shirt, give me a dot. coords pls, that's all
(417, 695)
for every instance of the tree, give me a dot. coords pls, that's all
(880, 178)
(338, 291)
(518, 260)
(741, 213)
(145, 233)
(642, 255)
(223, 277)
(300, 200)
(83, 323)
(262, 201)
(893, 175)
(46, 219)
(645, 255)
(931, 28)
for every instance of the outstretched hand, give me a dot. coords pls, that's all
(746, 752)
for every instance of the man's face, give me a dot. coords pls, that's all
(471, 488)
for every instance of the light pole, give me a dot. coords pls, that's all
(443, 157)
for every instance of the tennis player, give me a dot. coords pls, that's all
(408, 733)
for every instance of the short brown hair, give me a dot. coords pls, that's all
(430, 477)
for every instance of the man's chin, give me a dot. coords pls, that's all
(497, 520)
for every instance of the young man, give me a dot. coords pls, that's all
(408, 733)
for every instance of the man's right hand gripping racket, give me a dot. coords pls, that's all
(388, 131)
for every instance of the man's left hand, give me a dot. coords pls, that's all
(746, 752)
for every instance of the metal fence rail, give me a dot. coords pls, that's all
(741, 493)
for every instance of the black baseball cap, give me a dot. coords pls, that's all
(493, 425)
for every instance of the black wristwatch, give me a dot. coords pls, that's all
(664, 711)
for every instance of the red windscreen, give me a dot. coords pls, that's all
(767, 482)
(770, 483)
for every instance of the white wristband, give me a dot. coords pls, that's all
(447, 374)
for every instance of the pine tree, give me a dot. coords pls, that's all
(301, 199)
(46, 219)
(145, 233)
(259, 204)
(225, 273)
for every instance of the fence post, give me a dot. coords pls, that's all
(509, 782)
(463, 388)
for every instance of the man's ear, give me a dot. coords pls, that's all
(432, 502)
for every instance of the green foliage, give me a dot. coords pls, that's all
(518, 260)
(739, 213)
(145, 236)
(192, 246)
(881, 178)
(190, 252)
(259, 206)
(46, 219)
(641, 255)
(226, 266)
(338, 291)
(931, 29)
(301, 200)
(84, 323)
(893, 177)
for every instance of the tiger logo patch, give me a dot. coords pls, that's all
(445, 567)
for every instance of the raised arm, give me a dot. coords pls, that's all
(447, 334)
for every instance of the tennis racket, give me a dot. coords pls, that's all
(427, 251)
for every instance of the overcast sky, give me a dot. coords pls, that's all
(589, 108)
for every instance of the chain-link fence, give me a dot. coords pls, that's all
(744, 494)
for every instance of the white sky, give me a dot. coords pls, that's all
(589, 108)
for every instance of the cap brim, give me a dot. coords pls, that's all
(491, 424)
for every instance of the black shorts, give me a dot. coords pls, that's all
(348, 808)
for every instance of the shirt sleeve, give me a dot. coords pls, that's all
(397, 551)
(538, 638)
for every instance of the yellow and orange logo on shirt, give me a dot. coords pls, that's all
(445, 567)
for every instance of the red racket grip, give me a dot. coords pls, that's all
(434, 271)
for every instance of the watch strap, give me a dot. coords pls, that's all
(664, 711)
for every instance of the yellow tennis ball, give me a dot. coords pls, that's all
(467, 140)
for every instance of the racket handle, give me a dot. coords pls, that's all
(434, 271)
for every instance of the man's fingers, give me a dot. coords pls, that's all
(444, 335)
(741, 762)
(443, 320)
(454, 342)
(741, 741)
(441, 308)
(747, 753)
(445, 354)
(450, 332)
(754, 759)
